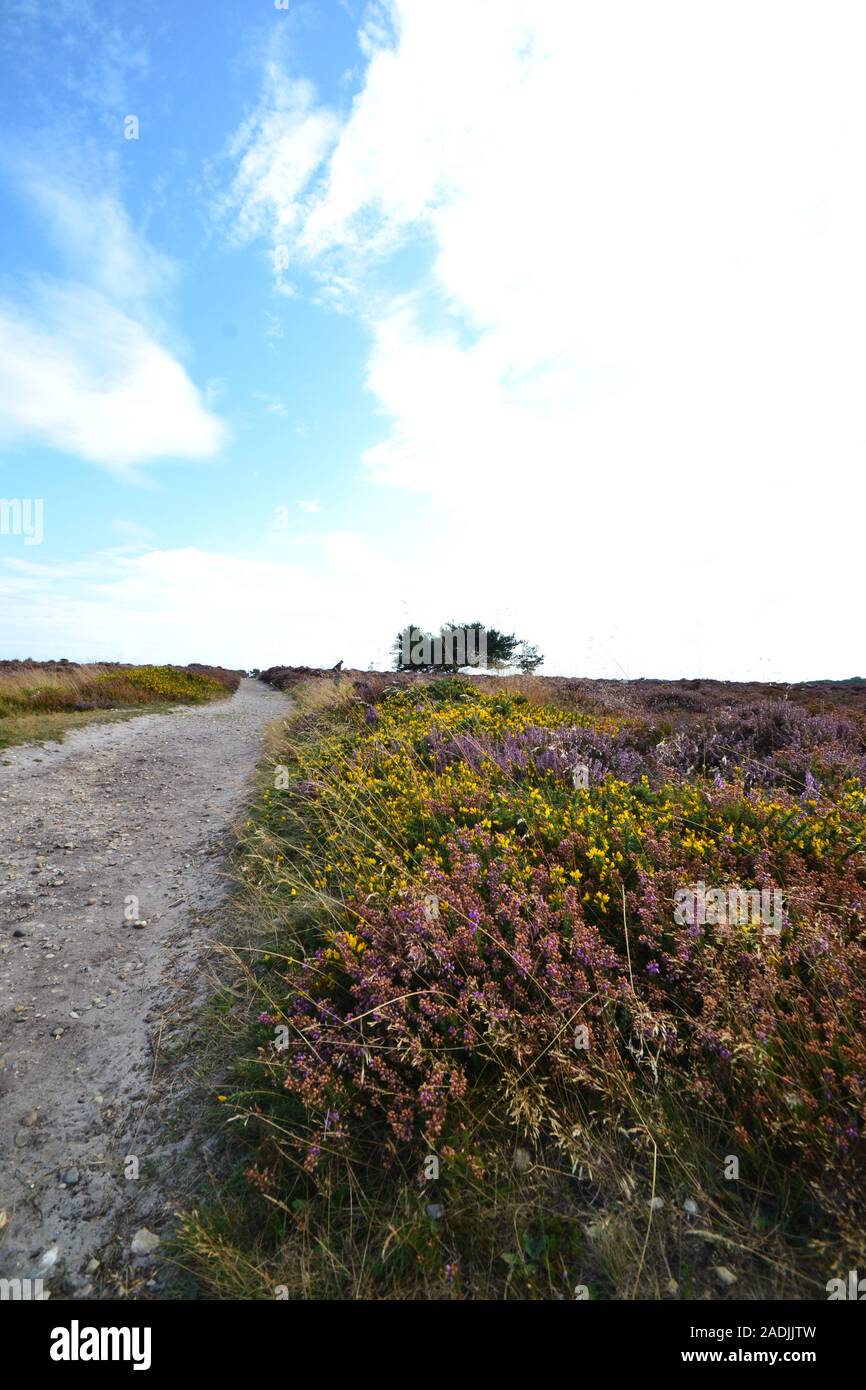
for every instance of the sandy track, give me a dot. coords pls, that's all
(137, 808)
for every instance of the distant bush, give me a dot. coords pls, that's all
(285, 677)
(218, 674)
(55, 687)
(136, 684)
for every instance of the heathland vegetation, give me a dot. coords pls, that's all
(477, 1049)
(44, 699)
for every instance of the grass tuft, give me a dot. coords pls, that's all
(476, 1054)
(43, 701)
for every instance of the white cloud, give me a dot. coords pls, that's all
(278, 149)
(215, 388)
(97, 240)
(97, 61)
(273, 328)
(81, 376)
(86, 363)
(272, 404)
(634, 364)
(326, 606)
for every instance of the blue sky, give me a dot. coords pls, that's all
(534, 313)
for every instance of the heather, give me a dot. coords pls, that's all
(40, 700)
(475, 969)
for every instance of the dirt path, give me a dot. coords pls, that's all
(137, 809)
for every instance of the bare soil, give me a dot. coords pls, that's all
(89, 1002)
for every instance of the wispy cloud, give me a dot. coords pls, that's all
(324, 604)
(99, 54)
(87, 368)
(84, 378)
(272, 404)
(277, 151)
(93, 233)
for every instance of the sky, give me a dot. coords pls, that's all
(323, 317)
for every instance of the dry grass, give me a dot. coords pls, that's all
(563, 1196)
(53, 728)
(43, 701)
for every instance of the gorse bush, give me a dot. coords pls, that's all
(54, 687)
(474, 943)
(139, 683)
